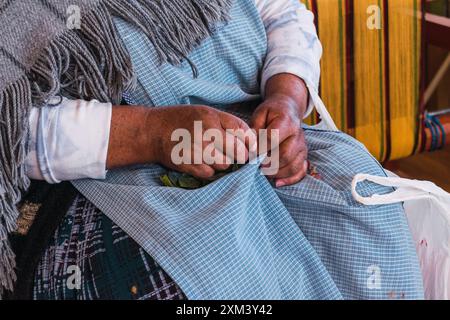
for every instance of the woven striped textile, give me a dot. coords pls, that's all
(371, 77)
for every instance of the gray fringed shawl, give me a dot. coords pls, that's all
(40, 57)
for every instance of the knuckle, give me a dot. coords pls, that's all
(222, 167)
(208, 112)
(296, 168)
(293, 170)
(204, 172)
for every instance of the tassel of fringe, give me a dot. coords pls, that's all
(90, 63)
(175, 28)
(15, 103)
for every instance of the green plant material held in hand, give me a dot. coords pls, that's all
(176, 179)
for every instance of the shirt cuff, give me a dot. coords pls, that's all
(69, 141)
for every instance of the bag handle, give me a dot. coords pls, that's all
(327, 122)
(406, 190)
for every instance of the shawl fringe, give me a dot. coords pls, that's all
(15, 103)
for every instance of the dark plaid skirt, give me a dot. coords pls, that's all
(89, 257)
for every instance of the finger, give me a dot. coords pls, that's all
(278, 130)
(239, 128)
(259, 119)
(220, 166)
(201, 171)
(220, 148)
(293, 179)
(246, 136)
(292, 168)
(216, 159)
(224, 148)
(289, 150)
(205, 153)
(235, 149)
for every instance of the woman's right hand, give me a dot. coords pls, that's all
(156, 135)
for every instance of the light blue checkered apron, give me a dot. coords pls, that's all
(239, 238)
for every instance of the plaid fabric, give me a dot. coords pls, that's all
(229, 64)
(348, 238)
(111, 264)
(239, 238)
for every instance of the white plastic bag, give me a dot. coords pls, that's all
(427, 209)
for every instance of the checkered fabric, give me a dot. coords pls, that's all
(111, 264)
(229, 64)
(239, 238)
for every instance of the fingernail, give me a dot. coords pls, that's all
(279, 184)
(306, 166)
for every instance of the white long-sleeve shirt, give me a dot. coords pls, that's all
(70, 141)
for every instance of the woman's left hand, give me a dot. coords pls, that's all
(282, 110)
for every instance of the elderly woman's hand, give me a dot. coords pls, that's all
(283, 109)
(167, 135)
(230, 144)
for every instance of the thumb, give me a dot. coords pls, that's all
(259, 119)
